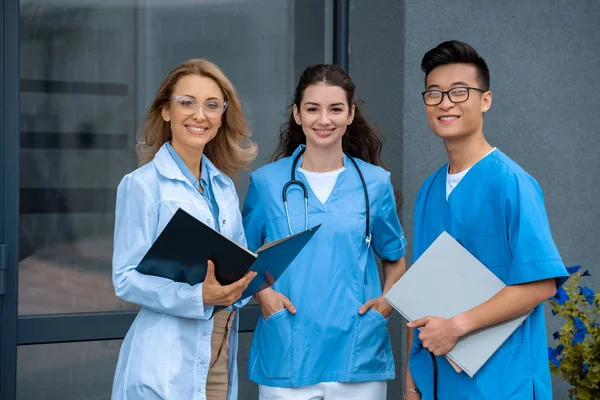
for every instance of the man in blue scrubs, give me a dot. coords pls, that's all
(496, 210)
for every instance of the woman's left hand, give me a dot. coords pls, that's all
(378, 304)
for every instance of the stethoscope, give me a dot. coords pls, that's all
(302, 187)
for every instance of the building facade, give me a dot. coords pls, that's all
(77, 78)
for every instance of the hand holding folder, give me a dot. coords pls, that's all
(182, 250)
(213, 293)
(445, 281)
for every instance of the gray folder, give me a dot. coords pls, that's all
(445, 281)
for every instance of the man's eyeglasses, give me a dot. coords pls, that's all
(455, 95)
(188, 105)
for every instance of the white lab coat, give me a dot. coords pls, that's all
(166, 353)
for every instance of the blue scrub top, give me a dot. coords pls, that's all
(497, 212)
(326, 340)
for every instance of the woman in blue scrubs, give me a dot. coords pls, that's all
(323, 331)
(195, 134)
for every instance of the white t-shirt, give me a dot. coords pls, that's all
(452, 180)
(322, 183)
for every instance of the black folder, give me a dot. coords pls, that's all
(182, 249)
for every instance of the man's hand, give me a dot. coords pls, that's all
(439, 335)
(215, 294)
(271, 301)
(378, 304)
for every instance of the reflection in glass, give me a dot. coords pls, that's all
(85, 370)
(69, 371)
(78, 115)
(88, 72)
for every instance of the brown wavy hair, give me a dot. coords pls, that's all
(230, 151)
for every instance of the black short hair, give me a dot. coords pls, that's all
(456, 52)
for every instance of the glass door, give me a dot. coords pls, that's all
(77, 78)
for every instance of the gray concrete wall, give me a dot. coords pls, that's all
(544, 59)
(376, 59)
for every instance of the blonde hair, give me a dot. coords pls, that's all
(230, 151)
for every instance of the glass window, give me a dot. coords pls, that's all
(88, 73)
(69, 371)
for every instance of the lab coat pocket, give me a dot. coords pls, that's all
(275, 355)
(148, 320)
(372, 344)
(149, 359)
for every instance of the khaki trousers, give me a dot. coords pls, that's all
(217, 382)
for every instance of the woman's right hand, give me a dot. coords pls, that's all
(271, 301)
(215, 294)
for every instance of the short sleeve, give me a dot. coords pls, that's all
(534, 254)
(253, 216)
(388, 237)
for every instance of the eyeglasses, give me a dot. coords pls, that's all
(189, 105)
(455, 95)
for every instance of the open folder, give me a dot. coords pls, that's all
(185, 245)
(448, 280)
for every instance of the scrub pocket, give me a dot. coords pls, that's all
(372, 342)
(485, 244)
(513, 364)
(274, 359)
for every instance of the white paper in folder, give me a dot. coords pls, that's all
(448, 280)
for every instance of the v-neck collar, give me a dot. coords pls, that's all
(312, 197)
(439, 190)
(311, 194)
(469, 174)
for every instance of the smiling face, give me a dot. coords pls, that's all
(450, 120)
(193, 132)
(324, 115)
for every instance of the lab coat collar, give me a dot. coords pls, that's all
(167, 167)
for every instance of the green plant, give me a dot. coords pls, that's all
(576, 355)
